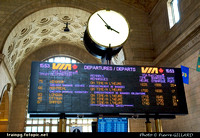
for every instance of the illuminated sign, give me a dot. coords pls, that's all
(105, 89)
(110, 124)
(149, 70)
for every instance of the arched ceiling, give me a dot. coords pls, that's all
(42, 28)
(46, 27)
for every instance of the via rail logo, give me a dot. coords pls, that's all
(151, 70)
(63, 66)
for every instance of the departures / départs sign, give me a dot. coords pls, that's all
(105, 89)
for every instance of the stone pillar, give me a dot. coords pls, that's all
(18, 109)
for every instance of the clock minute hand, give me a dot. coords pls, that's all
(103, 21)
(108, 26)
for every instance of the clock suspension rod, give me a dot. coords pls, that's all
(109, 55)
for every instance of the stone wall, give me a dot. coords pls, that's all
(162, 35)
(18, 109)
(179, 46)
(190, 122)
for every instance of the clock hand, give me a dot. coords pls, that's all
(114, 30)
(108, 26)
(103, 21)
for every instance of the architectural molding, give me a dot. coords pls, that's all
(1, 57)
(24, 69)
(186, 41)
(185, 49)
(42, 28)
(137, 63)
(6, 69)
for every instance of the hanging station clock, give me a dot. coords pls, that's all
(106, 33)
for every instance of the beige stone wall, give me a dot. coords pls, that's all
(162, 35)
(179, 46)
(18, 109)
(139, 125)
(190, 122)
(4, 77)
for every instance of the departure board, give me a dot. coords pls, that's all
(112, 124)
(105, 89)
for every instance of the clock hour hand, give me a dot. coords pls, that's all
(114, 30)
(108, 27)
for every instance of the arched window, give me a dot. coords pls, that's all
(173, 12)
(62, 59)
(51, 124)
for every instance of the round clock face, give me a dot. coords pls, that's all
(108, 28)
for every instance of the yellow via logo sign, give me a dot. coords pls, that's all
(149, 70)
(61, 66)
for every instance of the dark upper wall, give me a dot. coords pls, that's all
(162, 36)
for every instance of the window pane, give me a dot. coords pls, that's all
(47, 121)
(28, 129)
(57, 59)
(68, 60)
(89, 129)
(79, 121)
(47, 129)
(34, 128)
(90, 121)
(62, 59)
(176, 12)
(73, 61)
(67, 128)
(51, 60)
(28, 116)
(72, 121)
(29, 121)
(54, 129)
(84, 121)
(67, 121)
(35, 121)
(41, 121)
(173, 12)
(54, 121)
(85, 128)
(40, 128)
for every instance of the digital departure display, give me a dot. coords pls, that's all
(112, 124)
(105, 89)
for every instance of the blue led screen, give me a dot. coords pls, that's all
(110, 124)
